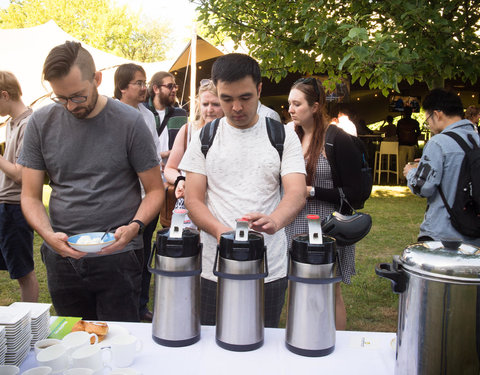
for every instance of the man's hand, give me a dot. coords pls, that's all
(261, 223)
(123, 235)
(58, 242)
(180, 190)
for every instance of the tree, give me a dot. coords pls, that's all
(99, 23)
(382, 42)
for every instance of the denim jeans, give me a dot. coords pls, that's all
(95, 288)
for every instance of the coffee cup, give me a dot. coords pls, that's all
(79, 371)
(55, 357)
(42, 370)
(92, 357)
(124, 349)
(125, 371)
(9, 370)
(75, 340)
(44, 344)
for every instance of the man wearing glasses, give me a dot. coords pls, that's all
(438, 170)
(94, 150)
(131, 89)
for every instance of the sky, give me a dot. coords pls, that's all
(180, 14)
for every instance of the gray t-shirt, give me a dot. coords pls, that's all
(92, 165)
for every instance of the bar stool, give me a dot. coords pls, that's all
(386, 149)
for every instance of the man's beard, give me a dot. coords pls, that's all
(83, 112)
(167, 100)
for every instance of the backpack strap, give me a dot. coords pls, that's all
(207, 135)
(276, 134)
(330, 135)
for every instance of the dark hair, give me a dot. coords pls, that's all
(445, 101)
(234, 67)
(407, 110)
(123, 75)
(157, 80)
(389, 119)
(9, 83)
(313, 94)
(471, 112)
(61, 58)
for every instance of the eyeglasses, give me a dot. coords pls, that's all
(63, 100)
(140, 84)
(425, 123)
(171, 86)
(309, 81)
(205, 82)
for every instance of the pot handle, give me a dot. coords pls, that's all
(389, 271)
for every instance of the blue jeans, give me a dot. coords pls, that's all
(95, 288)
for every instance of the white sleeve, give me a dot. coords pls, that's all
(292, 159)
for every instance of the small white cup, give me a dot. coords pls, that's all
(55, 357)
(125, 371)
(91, 357)
(9, 370)
(124, 349)
(78, 339)
(42, 370)
(44, 344)
(79, 371)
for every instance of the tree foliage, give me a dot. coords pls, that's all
(99, 23)
(382, 42)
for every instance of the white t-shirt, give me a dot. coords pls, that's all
(163, 137)
(243, 175)
(150, 121)
(263, 110)
(347, 125)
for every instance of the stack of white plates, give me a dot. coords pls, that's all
(16, 321)
(40, 319)
(3, 345)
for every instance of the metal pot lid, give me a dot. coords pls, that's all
(451, 260)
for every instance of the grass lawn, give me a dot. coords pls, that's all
(371, 305)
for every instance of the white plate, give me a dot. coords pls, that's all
(113, 330)
(36, 309)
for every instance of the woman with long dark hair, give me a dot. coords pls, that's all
(307, 108)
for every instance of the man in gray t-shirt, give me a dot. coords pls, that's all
(94, 151)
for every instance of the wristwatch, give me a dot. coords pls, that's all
(312, 192)
(141, 226)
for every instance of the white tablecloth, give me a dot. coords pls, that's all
(356, 353)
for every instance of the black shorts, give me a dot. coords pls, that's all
(16, 242)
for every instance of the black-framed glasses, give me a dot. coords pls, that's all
(63, 100)
(425, 123)
(310, 81)
(140, 84)
(171, 86)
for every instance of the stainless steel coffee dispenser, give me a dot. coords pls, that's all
(310, 329)
(242, 267)
(178, 264)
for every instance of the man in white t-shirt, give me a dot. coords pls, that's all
(240, 177)
(131, 89)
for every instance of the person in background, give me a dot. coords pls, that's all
(362, 128)
(307, 108)
(440, 165)
(240, 177)
(131, 88)
(472, 113)
(96, 151)
(344, 123)
(162, 95)
(208, 110)
(264, 111)
(389, 129)
(408, 131)
(16, 236)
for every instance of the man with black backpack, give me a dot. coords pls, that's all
(448, 172)
(234, 171)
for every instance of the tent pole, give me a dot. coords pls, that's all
(193, 73)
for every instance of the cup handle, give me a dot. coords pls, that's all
(96, 338)
(139, 345)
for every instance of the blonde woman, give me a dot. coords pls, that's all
(208, 110)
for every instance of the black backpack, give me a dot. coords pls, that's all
(275, 130)
(465, 212)
(366, 181)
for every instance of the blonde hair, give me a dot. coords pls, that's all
(209, 86)
(10, 84)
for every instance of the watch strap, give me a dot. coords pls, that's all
(141, 227)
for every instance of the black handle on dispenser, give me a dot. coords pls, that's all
(171, 273)
(397, 277)
(254, 276)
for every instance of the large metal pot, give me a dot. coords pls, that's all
(439, 308)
